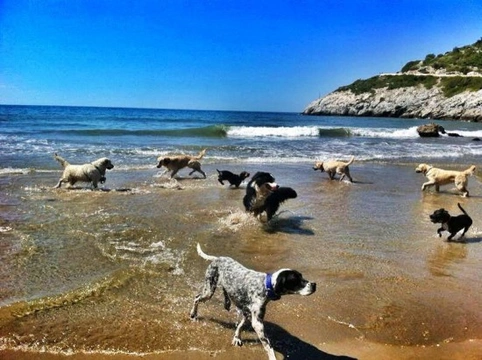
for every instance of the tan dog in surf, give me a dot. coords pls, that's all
(91, 173)
(437, 177)
(333, 167)
(178, 162)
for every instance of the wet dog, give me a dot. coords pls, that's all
(335, 167)
(452, 224)
(437, 177)
(233, 179)
(178, 162)
(93, 172)
(250, 291)
(264, 195)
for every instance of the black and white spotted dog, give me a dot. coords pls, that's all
(233, 179)
(452, 224)
(250, 291)
(264, 195)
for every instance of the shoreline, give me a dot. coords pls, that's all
(385, 280)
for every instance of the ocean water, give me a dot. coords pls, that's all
(29, 135)
(115, 271)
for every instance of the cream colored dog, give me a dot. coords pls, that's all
(91, 173)
(333, 167)
(437, 177)
(176, 163)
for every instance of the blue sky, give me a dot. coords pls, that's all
(215, 54)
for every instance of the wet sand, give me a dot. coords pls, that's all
(112, 274)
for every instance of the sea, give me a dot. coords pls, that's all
(112, 273)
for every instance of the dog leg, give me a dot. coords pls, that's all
(439, 231)
(237, 339)
(227, 300)
(428, 183)
(59, 184)
(347, 173)
(174, 172)
(212, 276)
(257, 322)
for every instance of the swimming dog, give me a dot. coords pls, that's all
(452, 224)
(178, 162)
(333, 167)
(437, 177)
(93, 172)
(264, 195)
(233, 179)
(250, 291)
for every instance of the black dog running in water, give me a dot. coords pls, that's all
(452, 224)
(264, 195)
(234, 179)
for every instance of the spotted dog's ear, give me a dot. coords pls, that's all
(166, 160)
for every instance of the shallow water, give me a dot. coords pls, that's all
(115, 271)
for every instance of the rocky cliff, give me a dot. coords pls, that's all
(447, 86)
(407, 102)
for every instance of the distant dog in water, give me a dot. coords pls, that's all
(335, 167)
(264, 195)
(250, 291)
(91, 173)
(178, 162)
(437, 177)
(452, 224)
(233, 179)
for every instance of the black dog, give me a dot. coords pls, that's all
(452, 224)
(236, 180)
(264, 195)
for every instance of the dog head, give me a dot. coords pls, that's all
(244, 174)
(263, 182)
(163, 161)
(287, 281)
(440, 216)
(103, 163)
(423, 168)
(319, 166)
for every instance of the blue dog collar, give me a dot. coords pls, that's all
(270, 293)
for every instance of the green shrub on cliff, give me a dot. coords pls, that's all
(390, 82)
(464, 60)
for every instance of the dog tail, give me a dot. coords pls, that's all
(462, 209)
(203, 255)
(470, 170)
(61, 160)
(350, 161)
(201, 154)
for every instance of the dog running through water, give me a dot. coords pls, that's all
(452, 224)
(250, 291)
(93, 172)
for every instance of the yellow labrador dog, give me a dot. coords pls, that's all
(178, 162)
(437, 177)
(91, 173)
(333, 167)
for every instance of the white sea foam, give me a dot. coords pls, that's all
(283, 131)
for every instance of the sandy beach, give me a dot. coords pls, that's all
(112, 274)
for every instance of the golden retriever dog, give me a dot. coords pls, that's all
(91, 173)
(178, 162)
(437, 177)
(333, 167)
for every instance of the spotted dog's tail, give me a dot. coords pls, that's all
(203, 255)
(61, 160)
(462, 209)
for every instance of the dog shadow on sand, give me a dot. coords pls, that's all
(283, 342)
